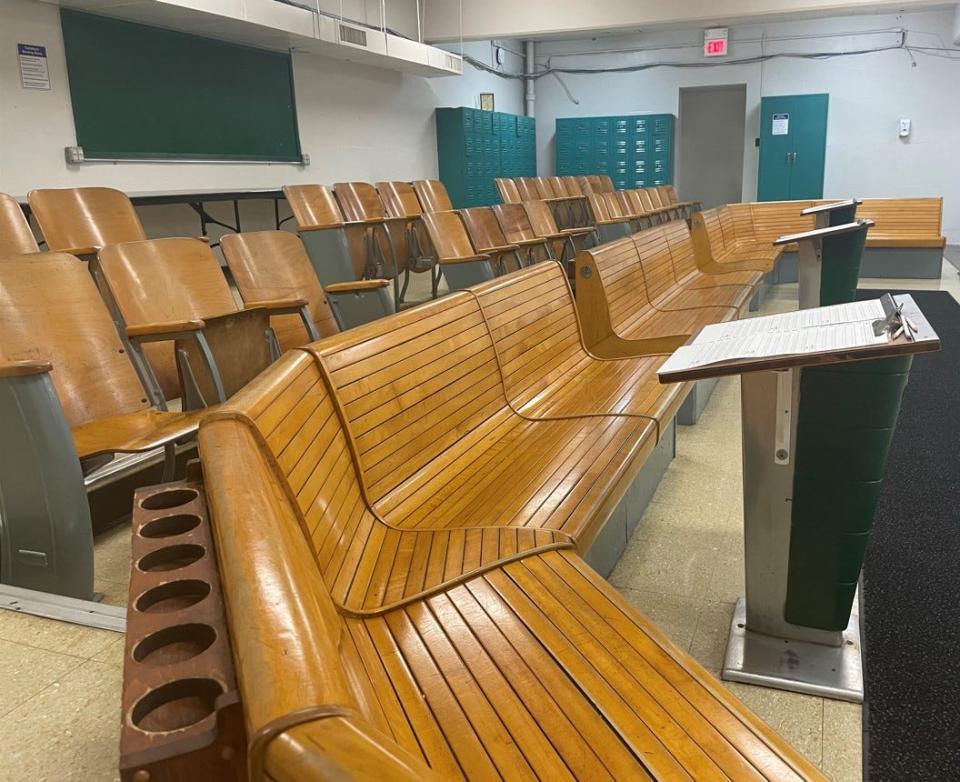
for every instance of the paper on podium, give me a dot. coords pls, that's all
(819, 330)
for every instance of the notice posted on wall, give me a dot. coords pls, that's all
(781, 125)
(34, 73)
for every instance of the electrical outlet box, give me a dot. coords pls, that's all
(904, 128)
(74, 155)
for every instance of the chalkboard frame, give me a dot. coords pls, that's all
(146, 93)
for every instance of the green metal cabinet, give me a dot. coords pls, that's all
(474, 147)
(793, 143)
(635, 150)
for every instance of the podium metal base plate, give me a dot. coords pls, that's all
(799, 666)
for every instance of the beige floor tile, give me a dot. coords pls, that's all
(24, 672)
(112, 554)
(842, 741)
(672, 566)
(798, 718)
(69, 731)
(676, 616)
(54, 636)
(114, 592)
(112, 653)
(709, 644)
(727, 581)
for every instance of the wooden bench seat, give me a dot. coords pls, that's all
(365, 654)
(691, 276)
(439, 446)
(547, 370)
(904, 222)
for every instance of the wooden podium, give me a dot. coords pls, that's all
(794, 629)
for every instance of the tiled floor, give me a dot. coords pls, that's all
(60, 684)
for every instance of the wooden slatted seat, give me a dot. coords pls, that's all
(367, 652)
(16, 238)
(488, 237)
(715, 255)
(439, 447)
(663, 289)
(433, 195)
(271, 266)
(616, 313)
(173, 289)
(547, 370)
(77, 343)
(904, 222)
(685, 268)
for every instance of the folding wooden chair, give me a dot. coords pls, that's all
(457, 259)
(487, 237)
(400, 201)
(174, 290)
(327, 239)
(16, 238)
(517, 229)
(507, 188)
(433, 195)
(272, 266)
(566, 241)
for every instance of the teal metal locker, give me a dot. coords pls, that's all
(474, 147)
(793, 144)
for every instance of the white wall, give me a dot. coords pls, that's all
(356, 122)
(868, 96)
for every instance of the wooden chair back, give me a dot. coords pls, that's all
(16, 238)
(571, 186)
(656, 198)
(273, 265)
(508, 190)
(771, 219)
(399, 199)
(85, 219)
(558, 186)
(632, 202)
(645, 200)
(677, 234)
(670, 194)
(433, 195)
(584, 185)
(605, 183)
(313, 206)
(528, 188)
(541, 218)
(654, 255)
(618, 288)
(514, 222)
(359, 201)
(545, 187)
(448, 235)
(51, 310)
(614, 205)
(482, 228)
(905, 218)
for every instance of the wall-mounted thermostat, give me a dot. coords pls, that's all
(904, 128)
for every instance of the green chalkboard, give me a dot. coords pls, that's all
(145, 93)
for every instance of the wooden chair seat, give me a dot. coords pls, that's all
(136, 432)
(16, 238)
(547, 371)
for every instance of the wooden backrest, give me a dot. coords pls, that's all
(412, 384)
(670, 194)
(85, 218)
(654, 253)
(599, 208)
(448, 235)
(528, 188)
(51, 310)
(621, 275)
(163, 280)
(433, 195)
(359, 200)
(656, 198)
(903, 217)
(740, 221)
(313, 206)
(532, 318)
(507, 188)
(558, 185)
(632, 204)
(514, 222)
(677, 234)
(545, 187)
(16, 238)
(482, 227)
(571, 185)
(277, 459)
(772, 219)
(644, 199)
(541, 218)
(584, 184)
(666, 198)
(399, 199)
(274, 265)
(711, 221)
(605, 183)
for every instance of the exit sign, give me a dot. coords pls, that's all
(715, 42)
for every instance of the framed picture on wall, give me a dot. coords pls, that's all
(486, 101)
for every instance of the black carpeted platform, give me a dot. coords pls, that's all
(911, 577)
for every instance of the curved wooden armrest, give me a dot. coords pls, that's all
(24, 368)
(399, 219)
(366, 221)
(355, 285)
(314, 227)
(613, 221)
(506, 248)
(275, 305)
(530, 242)
(170, 327)
(465, 259)
(575, 232)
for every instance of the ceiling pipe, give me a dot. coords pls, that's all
(528, 69)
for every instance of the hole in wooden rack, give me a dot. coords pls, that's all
(168, 526)
(173, 596)
(171, 557)
(174, 644)
(176, 705)
(168, 499)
